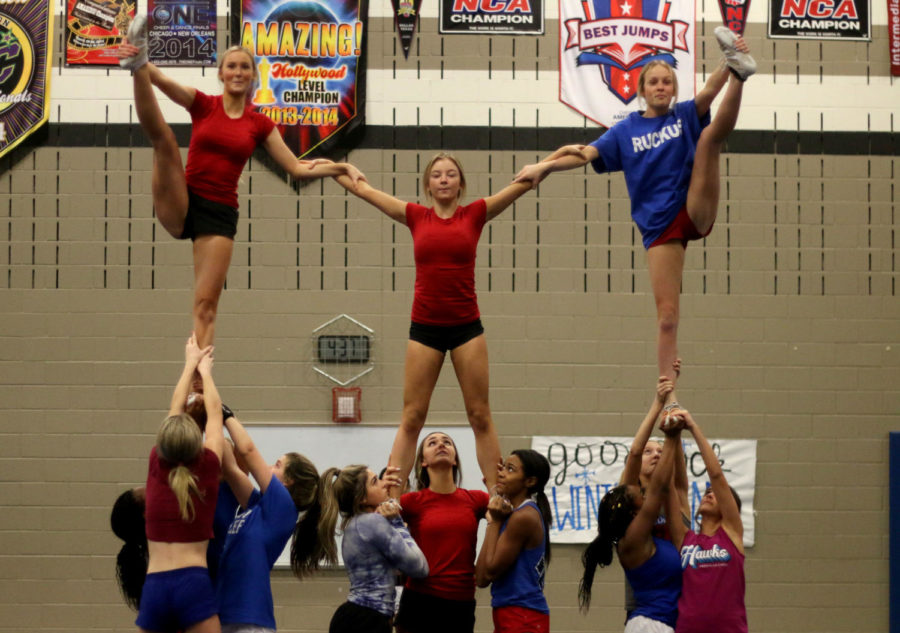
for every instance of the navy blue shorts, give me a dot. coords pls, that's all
(445, 337)
(177, 599)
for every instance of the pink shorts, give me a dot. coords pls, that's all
(681, 229)
(520, 620)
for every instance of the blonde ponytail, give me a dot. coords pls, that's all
(178, 442)
(183, 482)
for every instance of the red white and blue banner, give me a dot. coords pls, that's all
(604, 44)
(182, 33)
(820, 19)
(26, 29)
(734, 14)
(583, 469)
(503, 17)
(311, 60)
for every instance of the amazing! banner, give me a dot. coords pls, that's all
(26, 29)
(311, 59)
(583, 469)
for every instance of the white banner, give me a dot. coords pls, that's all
(603, 44)
(583, 469)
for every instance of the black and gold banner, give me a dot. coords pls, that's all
(26, 29)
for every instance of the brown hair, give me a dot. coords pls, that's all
(653, 64)
(423, 480)
(430, 166)
(340, 491)
(179, 442)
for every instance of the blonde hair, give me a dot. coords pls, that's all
(341, 491)
(427, 173)
(653, 64)
(179, 442)
(235, 49)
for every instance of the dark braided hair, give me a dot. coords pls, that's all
(613, 518)
(127, 522)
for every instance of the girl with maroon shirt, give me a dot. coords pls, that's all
(443, 519)
(199, 201)
(445, 314)
(180, 499)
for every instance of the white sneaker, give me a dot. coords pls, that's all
(741, 64)
(137, 36)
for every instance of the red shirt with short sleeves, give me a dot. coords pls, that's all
(445, 263)
(162, 516)
(220, 147)
(445, 527)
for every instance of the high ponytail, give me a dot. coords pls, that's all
(613, 518)
(179, 442)
(313, 542)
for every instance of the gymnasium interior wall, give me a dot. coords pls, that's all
(789, 330)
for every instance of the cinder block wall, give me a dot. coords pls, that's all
(789, 331)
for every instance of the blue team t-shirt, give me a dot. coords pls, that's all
(657, 156)
(255, 539)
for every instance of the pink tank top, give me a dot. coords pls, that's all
(712, 592)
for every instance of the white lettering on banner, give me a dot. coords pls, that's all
(583, 469)
(820, 25)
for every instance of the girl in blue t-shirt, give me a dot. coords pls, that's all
(516, 548)
(670, 155)
(259, 528)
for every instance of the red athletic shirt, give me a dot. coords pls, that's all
(445, 263)
(162, 516)
(445, 527)
(220, 147)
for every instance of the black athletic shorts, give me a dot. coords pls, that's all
(354, 618)
(207, 217)
(445, 337)
(423, 613)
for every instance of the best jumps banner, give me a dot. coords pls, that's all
(25, 51)
(603, 44)
(94, 29)
(583, 469)
(311, 58)
(820, 19)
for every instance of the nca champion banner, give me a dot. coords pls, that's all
(820, 19)
(583, 469)
(509, 17)
(604, 44)
(311, 60)
(26, 29)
